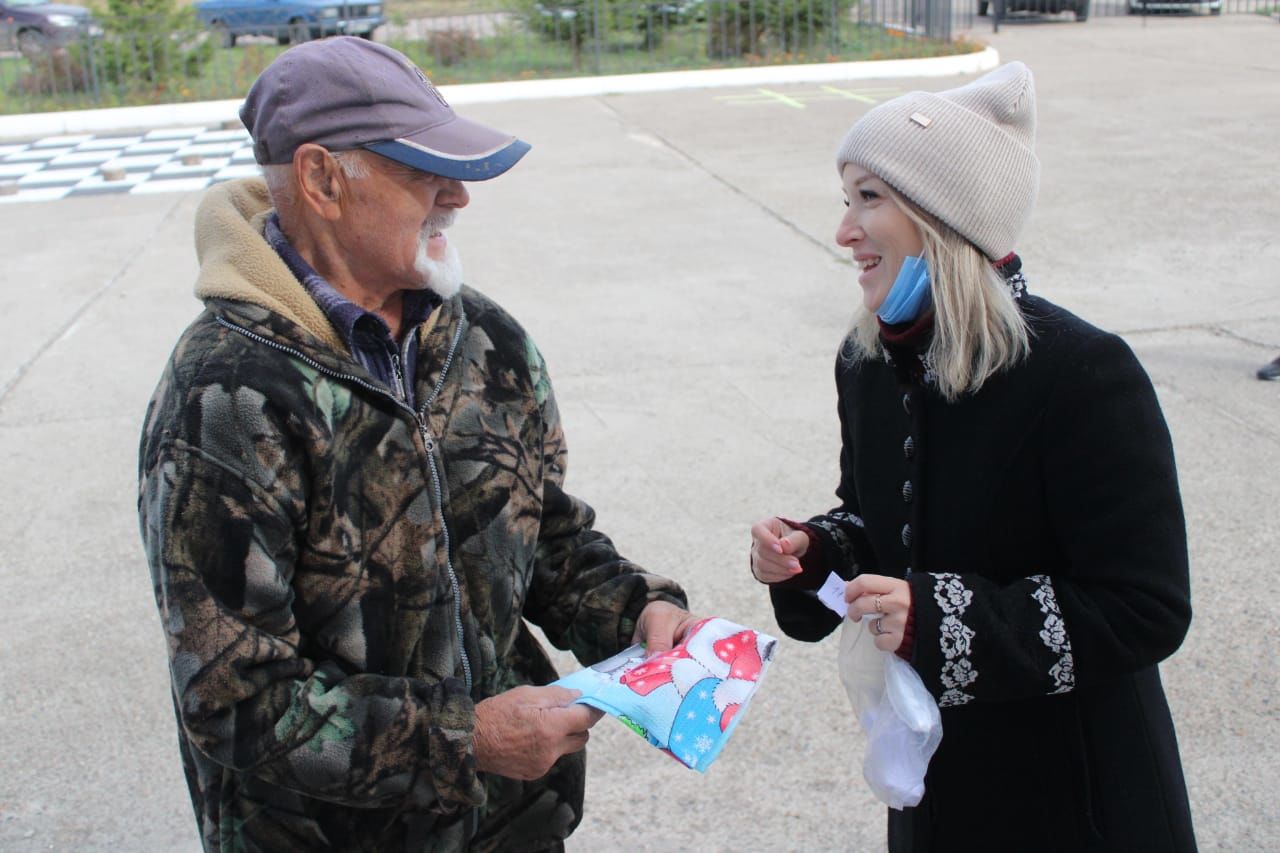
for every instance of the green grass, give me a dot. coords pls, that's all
(520, 55)
(452, 58)
(39, 88)
(527, 57)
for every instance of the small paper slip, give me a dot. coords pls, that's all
(685, 701)
(831, 594)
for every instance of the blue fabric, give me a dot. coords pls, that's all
(909, 294)
(365, 334)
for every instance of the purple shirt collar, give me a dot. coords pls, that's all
(366, 334)
(349, 319)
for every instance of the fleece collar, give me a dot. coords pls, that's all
(238, 264)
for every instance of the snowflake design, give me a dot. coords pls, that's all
(1054, 634)
(825, 524)
(951, 594)
(1064, 674)
(702, 743)
(1044, 595)
(1017, 284)
(955, 639)
(958, 673)
(848, 518)
(928, 375)
(831, 525)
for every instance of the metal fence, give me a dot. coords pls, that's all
(530, 39)
(1007, 11)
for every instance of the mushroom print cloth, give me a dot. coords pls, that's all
(685, 701)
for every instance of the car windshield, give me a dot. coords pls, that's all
(27, 3)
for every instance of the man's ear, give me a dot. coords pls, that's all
(319, 180)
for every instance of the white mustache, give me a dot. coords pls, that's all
(439, 222)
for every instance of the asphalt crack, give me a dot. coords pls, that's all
(723, 181)
(66, 328)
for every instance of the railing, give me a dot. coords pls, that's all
(534, 39)
(1007, 11)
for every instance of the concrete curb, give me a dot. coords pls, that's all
(34, 125)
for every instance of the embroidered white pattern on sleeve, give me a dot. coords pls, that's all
(1054, 635)
(956, 639)
(831, 524)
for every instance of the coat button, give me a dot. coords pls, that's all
(906, 535)
(907, 492)
(909, 447)
(906, 403)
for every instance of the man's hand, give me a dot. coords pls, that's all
(661, 625)
(520, 733)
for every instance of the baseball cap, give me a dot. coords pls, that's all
(344, 93)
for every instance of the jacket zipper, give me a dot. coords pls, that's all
(419, 417)
(398, 373)
(430, 444)
(398, 361)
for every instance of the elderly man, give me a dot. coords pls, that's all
(351, 497)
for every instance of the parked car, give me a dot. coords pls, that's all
(33, 26)
(1080, 8)
(1142, 7)
(289, 21)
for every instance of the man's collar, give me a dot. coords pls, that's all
(346, 316)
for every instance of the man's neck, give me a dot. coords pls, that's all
(331, 264)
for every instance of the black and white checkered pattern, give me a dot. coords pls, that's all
(65, 166)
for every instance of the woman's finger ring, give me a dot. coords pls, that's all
(879, 609)
(879, 626)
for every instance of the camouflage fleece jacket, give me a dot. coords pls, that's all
(341, 577)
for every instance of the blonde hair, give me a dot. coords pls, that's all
(978, 329)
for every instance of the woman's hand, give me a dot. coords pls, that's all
(776, 550)
(888, 598)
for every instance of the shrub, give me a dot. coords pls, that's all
(738, 28)
(575, 22)
(151, 45)
(53, 72)
(452, 47)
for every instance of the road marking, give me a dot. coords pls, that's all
(853, 96)
(799, 99)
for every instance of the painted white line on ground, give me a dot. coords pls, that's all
(207, 113)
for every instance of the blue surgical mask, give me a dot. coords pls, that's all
(909, 294)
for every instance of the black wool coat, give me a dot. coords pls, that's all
(1039, 525)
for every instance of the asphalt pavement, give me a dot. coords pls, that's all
(671, 252)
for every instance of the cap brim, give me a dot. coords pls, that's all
(461, 149)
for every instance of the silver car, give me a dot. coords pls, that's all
(34, 26)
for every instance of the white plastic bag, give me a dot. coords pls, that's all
(900, 718)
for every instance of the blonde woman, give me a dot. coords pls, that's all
(1009, 509)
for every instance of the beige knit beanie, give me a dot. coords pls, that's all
(964, 155)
